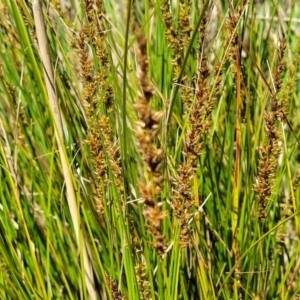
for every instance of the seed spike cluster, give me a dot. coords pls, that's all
(268, 162)
(178, 40)
(286, 93)
(114, 289)
(143, 283)
(184, 22)
(97, 92)
(200, 120)
(171, 35)
(277, 106)
(147, 129)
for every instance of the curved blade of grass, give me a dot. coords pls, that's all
(253, 246)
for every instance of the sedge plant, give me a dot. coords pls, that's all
(149, 149)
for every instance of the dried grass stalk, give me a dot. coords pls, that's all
(50, 83)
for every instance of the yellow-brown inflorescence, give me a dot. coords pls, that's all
(172, 36)
(178, 40)
(286, 93)
(114, 289)
(200, 121)
(270, 153)
(147, 130)
(97, 92)
(185, 27)
(142, 281)
(267, 164)
(234, 45)
(277, 106)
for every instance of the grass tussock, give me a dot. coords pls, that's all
(149, 149)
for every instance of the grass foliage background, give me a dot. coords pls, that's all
(181, 135)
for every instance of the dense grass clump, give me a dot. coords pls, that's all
(149, 149)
